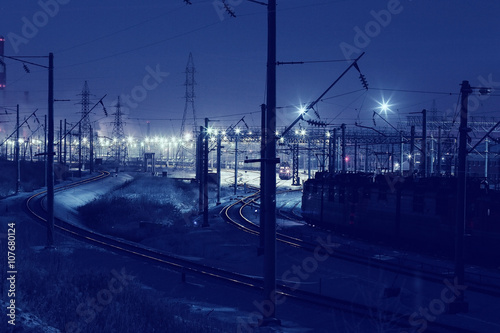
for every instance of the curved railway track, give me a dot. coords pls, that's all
(480, 283)
(34, 206)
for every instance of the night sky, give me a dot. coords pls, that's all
(417, 52)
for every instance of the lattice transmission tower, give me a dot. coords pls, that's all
(118, 146)
(189, 105)
(84, 128)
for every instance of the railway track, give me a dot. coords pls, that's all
(488, 285)
(34, 205)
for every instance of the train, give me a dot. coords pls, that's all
(285, 171)
(417, 213)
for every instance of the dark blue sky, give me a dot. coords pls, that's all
(416, 45)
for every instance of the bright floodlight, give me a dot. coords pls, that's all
(302, 110)
(237, 131)
(384, 106)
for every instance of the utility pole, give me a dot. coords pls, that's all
(199, 158)
(60, 140)
(412, 149)
(486, 157)
(401, 154)
(205, 176)
(236, 163)
(366, 158)
(423, 160)
(333, 154)
(342, 127)
(323, 154)
(459, 305)
(439, 152)
(270, 173)
(355, 155)
(295, 164)
(18, 162)
(45, 147)
(263, 208)
(65, 133)
(91, 149)
(70, 154)
(80, 150)
(219, 152)
(50, 156)
(309, 158)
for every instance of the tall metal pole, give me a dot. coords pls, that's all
(91, 150)
(45, 147)
(342, 127)
(205, 176)
(334, 151)
(199, 158)
(366, 158)
(401, 154)
(486, 157)
(355, 155)
(461, 196)
(412, 149)
(80, 149)
(323, 158)
(423, 160)
(439, 157)
(309, 158)
(70, 156)
(263, 200)
(17, 157)
(236, 163)
(270, 173)
(219, 152)
(331, 167)
(50, 156)
(60, 140)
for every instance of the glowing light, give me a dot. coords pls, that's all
(302, 109)
(303, 132)
(384, 106)
(237, 131)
